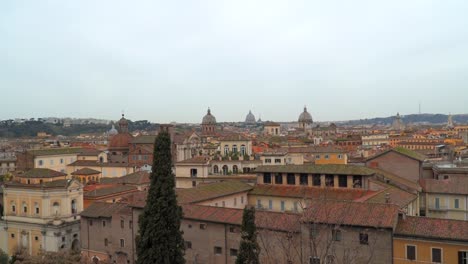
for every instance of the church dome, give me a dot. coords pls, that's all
(305, 117)
(120, 141)
(209, 119)
(112, 131)
(250, 118)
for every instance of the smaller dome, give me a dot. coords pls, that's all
(112, 131)
(305, 117)
(209, 119)
(250, 118)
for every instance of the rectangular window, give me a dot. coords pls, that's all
(122, 242)
(202, 226)
(104, 223)
(106, 242)
(267, 178)
(218, 250)
(343, 181)
(122, 223)
(327, 156)
(282, 206)
(463, 257)
(233, 252)
(314, 260)
(242, 199)
(259, 204)
(40, 162)
(456, 203)
(51, 162)
(410, 252)
(437, 203)
(340, 156)
(295, 207)
(61, 161)
(90, 222)
(313, 231)
(37, 210)
(336, 235)
(436, 255)
(364, 239)
(277, 161)
(232, 229)
(188, 244)
(291, 179)
(235, 201)
(267, 160)
(316, 180)
(317, 156)
(278, 178)
(130, 224)
(270, 204)
(329, 180)
(304, 179)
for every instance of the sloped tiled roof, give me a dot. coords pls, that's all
(234, 137)
(85, 171)
(435, 228)
(318, 169)
(102, 209)
(342, 194)
(41, 173)
(51, 184)
(54, 151)
(395, 178)
(352, 214)
(139, 177)
(396, 196)
(453, 185)
(403, 151)
(263, 219)
(93, 163)
(211, 191)
(110, 191)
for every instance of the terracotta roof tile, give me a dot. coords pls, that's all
(211, 191)
(40, 173)
(263, 219)
(433, 228)
(352, 213)
(110, 191)
(102, 209)
(85, 171)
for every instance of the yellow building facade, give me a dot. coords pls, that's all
(41, 216)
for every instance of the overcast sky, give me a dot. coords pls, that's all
(170, 60)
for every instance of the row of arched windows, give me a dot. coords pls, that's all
(55, 207)
(234, 149)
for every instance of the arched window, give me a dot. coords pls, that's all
(234, 148)
(225, 170)
(56, 208)
(73, 207)
(226, 150)
(235, 170)
(13, 207)
(242, 150)
(215, 169)
(25, 207)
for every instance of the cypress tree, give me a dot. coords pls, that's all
(160, 239)
(249, 250)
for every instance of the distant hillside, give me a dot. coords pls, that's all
(414, 118)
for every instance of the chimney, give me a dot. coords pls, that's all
(387, 198)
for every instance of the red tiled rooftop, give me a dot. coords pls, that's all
(432, 228)
(263, 219)
(352, 214)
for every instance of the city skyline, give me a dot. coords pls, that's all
(163, 63)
